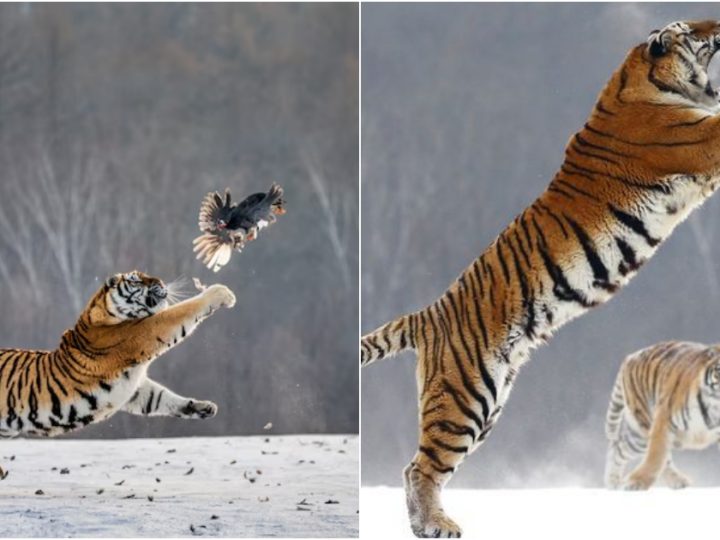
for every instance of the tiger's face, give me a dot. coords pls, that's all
(679, 55)
(135, 295)
(712, 377)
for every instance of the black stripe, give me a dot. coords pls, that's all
(577, 189)
(663, 188)
(90, 398)
(148, 404)
(450, 448)
(467, 383)
(688, 124)
(554, 217)
(561, 288)
(600, 272)
(601, 108)
(467, 411)
(584, 142)
(554, 189)
(476, 302)
(501, 258)
(704, 411)
(452, 428)
(629, 262)
(484, 374)
(634, 223)
(591, 155)
(635, 143)
(429, 452)
(528, 302)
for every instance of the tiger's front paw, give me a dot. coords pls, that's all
(638, 482)
(219, 296)
(198, 409)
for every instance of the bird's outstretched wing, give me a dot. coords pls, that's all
(215, 248)
(213, 208)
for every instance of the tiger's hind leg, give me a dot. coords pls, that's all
(153, 399)
(627, 447)
(452, 424)
(673, 477)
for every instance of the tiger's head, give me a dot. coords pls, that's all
(712, 373)
(130, 296)
(679, 55)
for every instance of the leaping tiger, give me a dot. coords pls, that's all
(100, 366)
(666, 397)
(647, 156)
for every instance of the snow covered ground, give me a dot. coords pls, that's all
(553, 513)
(287, 486)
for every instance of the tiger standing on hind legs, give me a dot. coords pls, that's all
(100, 366)
(648, 155)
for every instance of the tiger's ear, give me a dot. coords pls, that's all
(659, 42)
(112, 281)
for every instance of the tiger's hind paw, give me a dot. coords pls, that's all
(438, 526)
(198, 409)
(676, 480)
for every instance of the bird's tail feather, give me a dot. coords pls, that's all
(212, 251)
(274, 193)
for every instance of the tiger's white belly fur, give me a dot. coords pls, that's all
(660, 214)
(80, 412)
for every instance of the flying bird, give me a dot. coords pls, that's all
(226, 226)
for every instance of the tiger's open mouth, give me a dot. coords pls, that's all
(156, 294)
(713, 73)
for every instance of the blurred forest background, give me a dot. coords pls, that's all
(116, 120)
(466, 112)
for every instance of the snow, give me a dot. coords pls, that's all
(223, 486)
(570, 513)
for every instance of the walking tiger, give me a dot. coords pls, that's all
(666, 397)
(647, 156)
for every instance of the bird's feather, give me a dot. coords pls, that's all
(212, 209)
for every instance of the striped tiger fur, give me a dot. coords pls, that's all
(100, 366)
(646, 157)
(666, 397)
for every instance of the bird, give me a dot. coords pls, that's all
(227, 227)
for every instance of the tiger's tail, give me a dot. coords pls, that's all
(613, 419)
(388, 340)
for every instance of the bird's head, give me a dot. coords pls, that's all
(130, 296)
(278, 207)
(221, 224)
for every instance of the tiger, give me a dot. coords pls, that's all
(666, 397)
(100, 366)
(648, 155)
